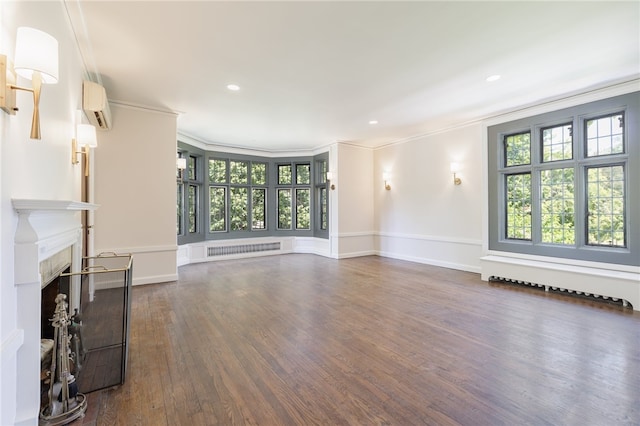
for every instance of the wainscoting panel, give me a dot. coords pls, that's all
(156, 264)
(319, 246)
(453, 253)
(353, 244)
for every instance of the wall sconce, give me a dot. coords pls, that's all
(386, 176)
(181, 163)
(37, 60)
(85, 138)
(330, 177)
(455, 167)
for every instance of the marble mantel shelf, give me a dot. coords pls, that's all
(25, 205)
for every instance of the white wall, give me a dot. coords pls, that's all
(425, 217)
(351, 203)
(37, 169)
(135, 166)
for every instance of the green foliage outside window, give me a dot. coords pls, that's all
(323, 209)
(303, 209)
(557, 205)
(518, 206)
(259, 204)
(192, 171)
(217, 171)
(303, 174)
(321, 167)
(606, 207)
(258, 174)
(284, 208)
(517, 149)
(193, 208)
(239, 172)
(284, 174)
(238, 212)
(180, 207)
(217, 209)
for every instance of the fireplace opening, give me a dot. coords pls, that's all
(58, 285)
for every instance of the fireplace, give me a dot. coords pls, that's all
(47, 231)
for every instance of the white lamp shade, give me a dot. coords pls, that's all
(455, 167)
(330, 176)
(86, 135)
(181, 163)
(36, 51)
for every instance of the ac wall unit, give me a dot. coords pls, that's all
(96, 105)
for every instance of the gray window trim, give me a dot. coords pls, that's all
(271, 200)
(577, 115)
(320, 183)
(189, 237)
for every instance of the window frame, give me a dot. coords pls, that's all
(270, 189)
(183, 178)
(577, 116)
(321, 162)
(294, 186)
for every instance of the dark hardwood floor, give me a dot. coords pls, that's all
(305, 340)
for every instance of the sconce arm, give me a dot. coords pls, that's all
(14, 87)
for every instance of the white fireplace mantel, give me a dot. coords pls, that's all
(28, 205)
(45, 227)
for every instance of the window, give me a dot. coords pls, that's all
(322, 201)
(250, 196)
(518, 213)
(237, 195)
(179, 200)
(294, 196)
(606, 206)
(259, 196)
(188, 196)
(557, 143)
(557, 215)
(560, 183)
(217, 195)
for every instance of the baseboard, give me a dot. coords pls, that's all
(157, 279)
(432, 262)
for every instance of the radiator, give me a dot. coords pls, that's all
(242, 249)
(560, 289)
(583, 280)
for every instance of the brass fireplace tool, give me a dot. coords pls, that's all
(65, 402)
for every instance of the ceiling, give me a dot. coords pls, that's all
(314, 73)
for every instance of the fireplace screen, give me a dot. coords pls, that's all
(101, 323)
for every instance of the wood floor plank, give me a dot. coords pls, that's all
(305, 340)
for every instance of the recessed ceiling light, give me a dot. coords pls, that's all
(373, 121)
(494, 77)
(233, 87)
